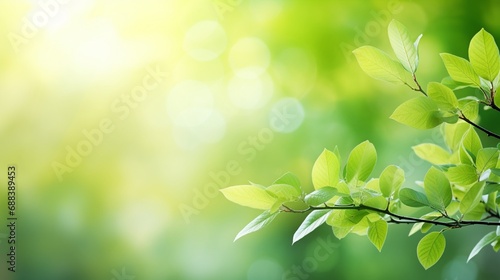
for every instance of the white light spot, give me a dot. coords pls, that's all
(286, 115)
(190, 103)
(205, 40)
(249, 57)
(250, 93)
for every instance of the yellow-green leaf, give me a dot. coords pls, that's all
(391, 179)
(379, 65)
(443, 96)
(483, 55)
(460, 69)
(432, 153)
(361, 162)
(430, 249)
(419, 112)
(326, 170)
(403, 47)
(437, 189)
(250, 196)
(377, 233)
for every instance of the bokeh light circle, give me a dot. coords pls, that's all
(286, 116)
(250, 93)
(249, 57)
(205, 40)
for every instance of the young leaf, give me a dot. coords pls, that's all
(486, 158)
(413, 198)
(261, 221)
(419, 112)
(471, 142)
(403, 47)
(311, 222)
(471, 198)
(432, 153)
(361, 162)
(452, 84)
(453, 134)
(416, 43)
(378, 202)
(326, 170)
(321, 196)
(443, 96)
(284, 191)
(380, 66)
(487, 239)
(377, 233)
(289, 179)
(437, 188)
(483, 55)
(345, 218)
(462, 175)
(460, 70)
(250, 196)
(391, 179)
(430, 249)
(469, 107)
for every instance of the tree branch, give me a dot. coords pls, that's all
(488, 132)
(396, 218)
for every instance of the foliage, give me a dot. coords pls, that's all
(462, 188)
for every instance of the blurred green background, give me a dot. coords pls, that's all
(123, 119)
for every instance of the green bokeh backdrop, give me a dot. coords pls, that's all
(243, 90)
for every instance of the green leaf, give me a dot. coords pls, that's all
(469, 107)
(460, 69)
(391, 179)
(250, 196)
(416, 43)
(454, 85)
(462, 175)
(361, 162)
(413, 198)
(380, 66)
(486, 158)
(377, 233)
(341, 232)
(484, 56)
(419, 112)
(471, 142)
(471, 198)
(442, 96)
(430, 249)
(437, 188)
(326, 170)
(432, 153)
(487, 239)
(284, 191)
(261, 221)
(378, 202)
(289, 179)
(403, 47)
(321, 196)
(453, 134)
(345, 218)
(311, 222)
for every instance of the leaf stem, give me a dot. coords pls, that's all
(397, 218)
